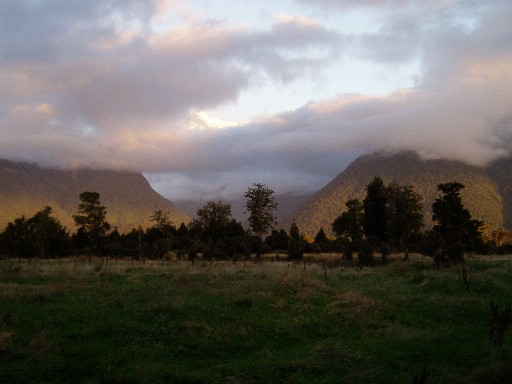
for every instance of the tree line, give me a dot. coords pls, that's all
(389, 219)
(213, 233)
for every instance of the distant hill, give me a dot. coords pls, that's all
(127, 196)
(286, 205)
(500, 171)
(487, 194)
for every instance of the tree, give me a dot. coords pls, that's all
(454, 226)
(349, 225)
(500, 237)
(158, 238)
(50, 237)
(162, 221)
(211, 227)
(277, 240)
(321, 237)
(91, 221)
(404, 214)
(392, 214)
(213, 219)
(217, 233)
(42, 235)
(375, 219)
(235, 229)
(183, 239)
(321, 243)
(261, 205)
(295, 247)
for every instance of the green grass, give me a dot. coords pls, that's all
(65, 321)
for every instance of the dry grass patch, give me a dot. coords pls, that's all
(352, 302)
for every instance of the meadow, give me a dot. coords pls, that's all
(72, 321)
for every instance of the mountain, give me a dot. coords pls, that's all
(500, 172)
(128, 197)
(286, 205)
(487, 193)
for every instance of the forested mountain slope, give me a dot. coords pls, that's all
(127, 196)
(500, 171)
(482, 195)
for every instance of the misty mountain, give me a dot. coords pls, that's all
(487, 193)
(128, 197)
(286, 205)
(500, 171)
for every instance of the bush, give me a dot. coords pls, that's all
(498, 324)
(295, 249)
(366, 258)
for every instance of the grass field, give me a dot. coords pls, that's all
(70, 321)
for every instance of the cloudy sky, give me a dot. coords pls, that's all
(207, 97)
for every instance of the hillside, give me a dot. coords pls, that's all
(482, 195)
(128, 197)
(286, 205)
(500, 172)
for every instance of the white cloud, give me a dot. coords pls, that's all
(201, 120)
(120, 84)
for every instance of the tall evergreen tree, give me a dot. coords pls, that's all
(404, 214)
(349, 225)
(321, 243)
(321, 237)
(453, 222)
(91, 219)
(295, 247)
(375, 211)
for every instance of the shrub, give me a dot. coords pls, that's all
(366, 258)
(498, 324)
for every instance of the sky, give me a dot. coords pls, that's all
(208, 97)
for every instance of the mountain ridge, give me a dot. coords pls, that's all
(129, 199)
(486, 193)
(26, 188)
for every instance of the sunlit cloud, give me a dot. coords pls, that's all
(200, 120)
(206, 99)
